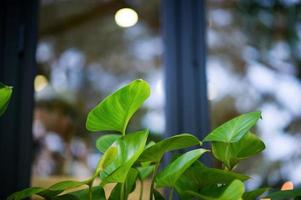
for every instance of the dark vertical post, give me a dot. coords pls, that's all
(18, 36)
(184, 35)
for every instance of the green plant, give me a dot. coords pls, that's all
(129, 157)
(5, 94)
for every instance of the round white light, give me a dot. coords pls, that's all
(126, 17)
(40, 82)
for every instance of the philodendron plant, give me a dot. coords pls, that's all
(129, 158)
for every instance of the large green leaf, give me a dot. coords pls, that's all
(66, 185)
(129, 148)
(50, 192)
(129, 186)
(254, 194)
(169, 175)
(155, 152)
(5, 94)
(26, 193)
(199, 176)
(231, 153)
(286, 194)
(105, 141)
(235, 129)
(115, 111)
(98, 193)
(233, 191)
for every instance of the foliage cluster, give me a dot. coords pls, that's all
(130, 157)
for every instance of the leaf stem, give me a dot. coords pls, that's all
(171, 193)
(153, 181)
(90, 190)
(141, 189)
(122, 192)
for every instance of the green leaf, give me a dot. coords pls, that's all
(115, 111)
(145, 171)
(286, 194)
(105, 141)
(198, 176)
(233, 191)
(158, 195)
(26, 193)
(169, 176)
(130, 185)
(98, 193)
(129, 148)
(235, 129)
(66, 185)
(108, 157)
(66, 197)
(254, 194)
(155, 152)
(5, 95)
(231, 153)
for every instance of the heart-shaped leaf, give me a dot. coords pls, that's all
(129, 148)
(254, 194)
(231, 153)
(235, 129)
(105, 141)
(115, 111)
(5, 95)
(155, 152)
(169, 176)
(233, 191)
(198, 176)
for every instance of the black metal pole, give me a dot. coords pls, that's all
(18, 37)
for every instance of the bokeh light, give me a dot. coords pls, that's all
(126, 17)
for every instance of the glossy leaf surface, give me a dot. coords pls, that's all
(5, 95)
(231, 153)
(105, 141)
(233, 191)
(115, 111)
(155, 152)
(129, 148)
(169, 175)
(235, 129)
(198, 176)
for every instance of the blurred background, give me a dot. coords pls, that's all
(87, 49)
(253, 63)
